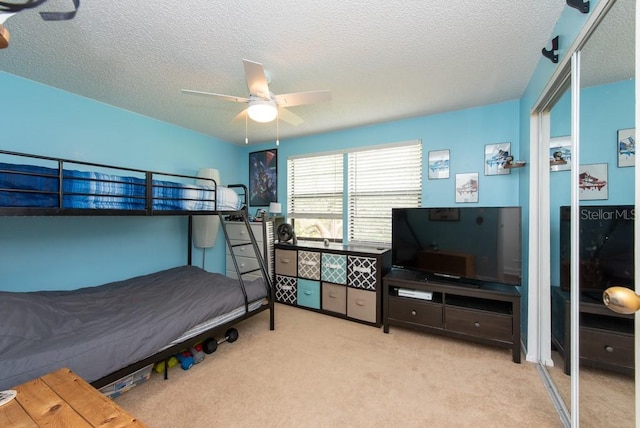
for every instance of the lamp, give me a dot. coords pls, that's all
(275, 208)
(262, 110)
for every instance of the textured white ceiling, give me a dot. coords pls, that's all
(382, 61)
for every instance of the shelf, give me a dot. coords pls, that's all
(515, 164)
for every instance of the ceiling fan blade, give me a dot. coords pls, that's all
(300, 98)
(286, 116)
(240, 116)
(256, 79)
(211, 94)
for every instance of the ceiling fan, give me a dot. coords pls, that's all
(263, 105)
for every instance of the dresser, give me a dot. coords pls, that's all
(338, 280)
(245, 254)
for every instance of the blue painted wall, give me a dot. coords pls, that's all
(463, 132)
(71, 252)
(603, 111)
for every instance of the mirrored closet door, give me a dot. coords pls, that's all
(606, 199)
(588, 361)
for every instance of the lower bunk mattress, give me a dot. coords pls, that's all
(95, 331)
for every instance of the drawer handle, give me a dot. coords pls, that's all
(608, 348)
(285, 260)
(362, 269)
(308, 263)
(476, 324)
(360, 302)
(286, 287)
(332, 266)
(308, 292)
(333, 294)
(414, 313)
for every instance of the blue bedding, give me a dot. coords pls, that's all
(37, 187)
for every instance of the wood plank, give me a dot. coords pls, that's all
(13, 415)
(97, 409)
(45, 407)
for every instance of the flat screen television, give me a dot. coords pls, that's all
(605, 247)
(468, 245)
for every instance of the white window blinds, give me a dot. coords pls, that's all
(378, 180)
(315, 187)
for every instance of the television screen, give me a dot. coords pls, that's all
(605, 248)
(470, 245)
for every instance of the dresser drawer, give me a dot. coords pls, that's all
(362, 305)
(479, 323)
(246, 277)
(245, 250)
(334, 268)
(607, 347)
(245, 264)
(334, 298)
(415, 311)
(238, 231)
(308, 293)
(286, 289)
(286, 262)
(309, 264)
(361, 272)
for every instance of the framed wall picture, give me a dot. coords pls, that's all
(560, 153)
(495, 157)
(263, 177)
(592, 182)
(438, 164)
(626, 147)
(467, 187)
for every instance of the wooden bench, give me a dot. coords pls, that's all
(63, 398)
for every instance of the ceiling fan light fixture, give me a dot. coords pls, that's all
(262, 110)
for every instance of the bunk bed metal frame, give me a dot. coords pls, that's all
(150, 178)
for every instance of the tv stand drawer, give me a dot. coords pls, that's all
(415, 311)
(479, 324)
(606, 347)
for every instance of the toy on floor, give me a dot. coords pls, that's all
(197, 353)
(210, 345)
(186, 360)
(159, 366)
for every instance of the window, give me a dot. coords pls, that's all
(315, 196)
(378, 180)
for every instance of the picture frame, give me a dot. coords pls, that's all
(444, 214)
(263, 177)
(560, 153)
(593, 182)
(495, 158)
(467, 187)
(626, 146)
(438, 164)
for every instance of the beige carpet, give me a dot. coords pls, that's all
(606, 398)
(314, 370)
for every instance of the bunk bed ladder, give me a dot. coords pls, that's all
(262, 267)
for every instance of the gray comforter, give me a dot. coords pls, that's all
(97, 330)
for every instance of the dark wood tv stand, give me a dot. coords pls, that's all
(487, 314)
(606, 337)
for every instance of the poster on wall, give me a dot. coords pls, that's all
(592, 182)
(560, 153)
(626, 147)
(263, 177)
(495, 158)
(438, 164)
(467, 187)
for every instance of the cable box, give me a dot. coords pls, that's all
(415, 294)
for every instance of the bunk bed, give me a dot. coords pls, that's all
(95, 331)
